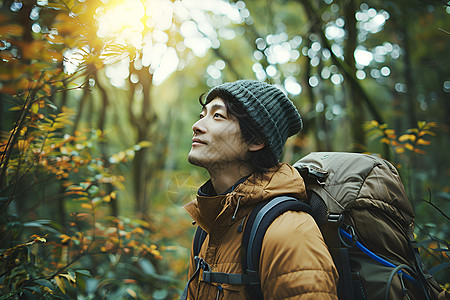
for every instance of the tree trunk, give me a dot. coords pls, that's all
(410, 104)
(318, 123)
(355, 110)
(113, 204)
(142, 121)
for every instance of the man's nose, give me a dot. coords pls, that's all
(199, 126)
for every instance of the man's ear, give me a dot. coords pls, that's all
(256, 147)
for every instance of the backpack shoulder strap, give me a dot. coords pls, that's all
(199, 238)
(259, 220)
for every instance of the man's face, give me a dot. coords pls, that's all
(217, 140)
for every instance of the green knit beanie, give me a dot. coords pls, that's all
(270, 109)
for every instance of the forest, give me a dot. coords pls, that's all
(98, 98)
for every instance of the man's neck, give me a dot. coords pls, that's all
(224, 178)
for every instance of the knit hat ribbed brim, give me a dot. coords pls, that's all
(270, 109)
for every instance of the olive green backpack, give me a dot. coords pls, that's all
(369, 216)
(360, 205)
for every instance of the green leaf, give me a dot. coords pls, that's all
(33, 289)
(40, 224)
(83, 272)
(46, 283)
(36, 223)
(147, 267)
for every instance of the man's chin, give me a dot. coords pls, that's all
(196, 161)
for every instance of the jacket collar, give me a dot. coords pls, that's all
(217, 211)
(207, 189)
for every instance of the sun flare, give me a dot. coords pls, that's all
(122, 20)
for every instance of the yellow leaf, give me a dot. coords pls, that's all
(68, 276)
(35, 108)
(407, 137)
(86, 205)
(65, 238)
(138, 230)
(107, 198)
(144, 144)
(132, 293)
(423, 142)
(15, 108)
(385, 140)
(423, 132)
(60, 284)
(372, 124)
(40, 239)
(419, 151)
(409, 146)
(22, 144)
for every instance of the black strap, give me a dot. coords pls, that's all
(199, 238)
(259, 220)
(231, 278)
(264, 216)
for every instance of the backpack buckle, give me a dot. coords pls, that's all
(336, 219)
(201, 263)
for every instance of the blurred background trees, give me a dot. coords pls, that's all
(98, 99)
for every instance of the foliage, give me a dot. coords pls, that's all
(57, 261)
(412, 140)
(95, 117)
(88, 253)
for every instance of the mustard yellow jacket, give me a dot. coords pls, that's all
(295, 262)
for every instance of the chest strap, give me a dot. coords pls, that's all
(217, 277)
(231, 278)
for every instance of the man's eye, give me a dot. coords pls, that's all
(200, 116)
(217, 115)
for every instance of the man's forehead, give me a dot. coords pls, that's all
(216, 103)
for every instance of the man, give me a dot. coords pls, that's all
(239, 139)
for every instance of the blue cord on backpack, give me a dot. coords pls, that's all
(375, 257)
